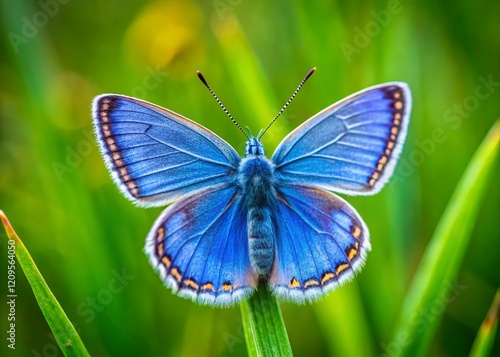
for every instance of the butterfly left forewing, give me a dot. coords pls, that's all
(321, 242)
(156, 156)
(350, 147)
(199, 246)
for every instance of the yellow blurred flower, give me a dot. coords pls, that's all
(166, 34)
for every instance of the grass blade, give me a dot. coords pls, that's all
(429, 290)
(265, 332)
(64, 332)
(339, 315)
(486, 335)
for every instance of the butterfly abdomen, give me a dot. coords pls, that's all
(260, 239)
(256, 179)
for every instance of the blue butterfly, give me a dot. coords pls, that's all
(232, 221)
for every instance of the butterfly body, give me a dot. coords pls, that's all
(231, 221)
(259, 197)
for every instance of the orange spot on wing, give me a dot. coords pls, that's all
(311, 282)
(341, 268)
(327, 277)
(160, 234)
(159, 250)
(356, 232)
(398, 105)
(207, 286)
(352, 254)
(227, 287)
(294, 283)
(131, 186)
(191, 284)
(176, 274)
(105, 130)
(166, 262)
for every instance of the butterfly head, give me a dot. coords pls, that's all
(254, 148)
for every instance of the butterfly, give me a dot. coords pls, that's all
(234, 221)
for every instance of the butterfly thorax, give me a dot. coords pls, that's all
(259, 197)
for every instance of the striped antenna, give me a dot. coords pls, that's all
(309, 74)
(200, 76)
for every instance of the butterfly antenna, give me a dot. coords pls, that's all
(309, 74)
(200, 76)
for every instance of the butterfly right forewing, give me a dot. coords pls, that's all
(350, 147)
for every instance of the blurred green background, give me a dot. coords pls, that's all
(87, 239)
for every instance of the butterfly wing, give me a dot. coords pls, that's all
(199, 246)
(155, 155)
(320, 243)
(350, 147)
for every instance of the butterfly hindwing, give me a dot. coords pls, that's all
(200, 247)
(350, 147)
(320, 243)
(155, 155)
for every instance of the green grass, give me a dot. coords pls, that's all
(265, 332)
(483, 344)
(62, 328)
(81, 232)
(435, 282)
